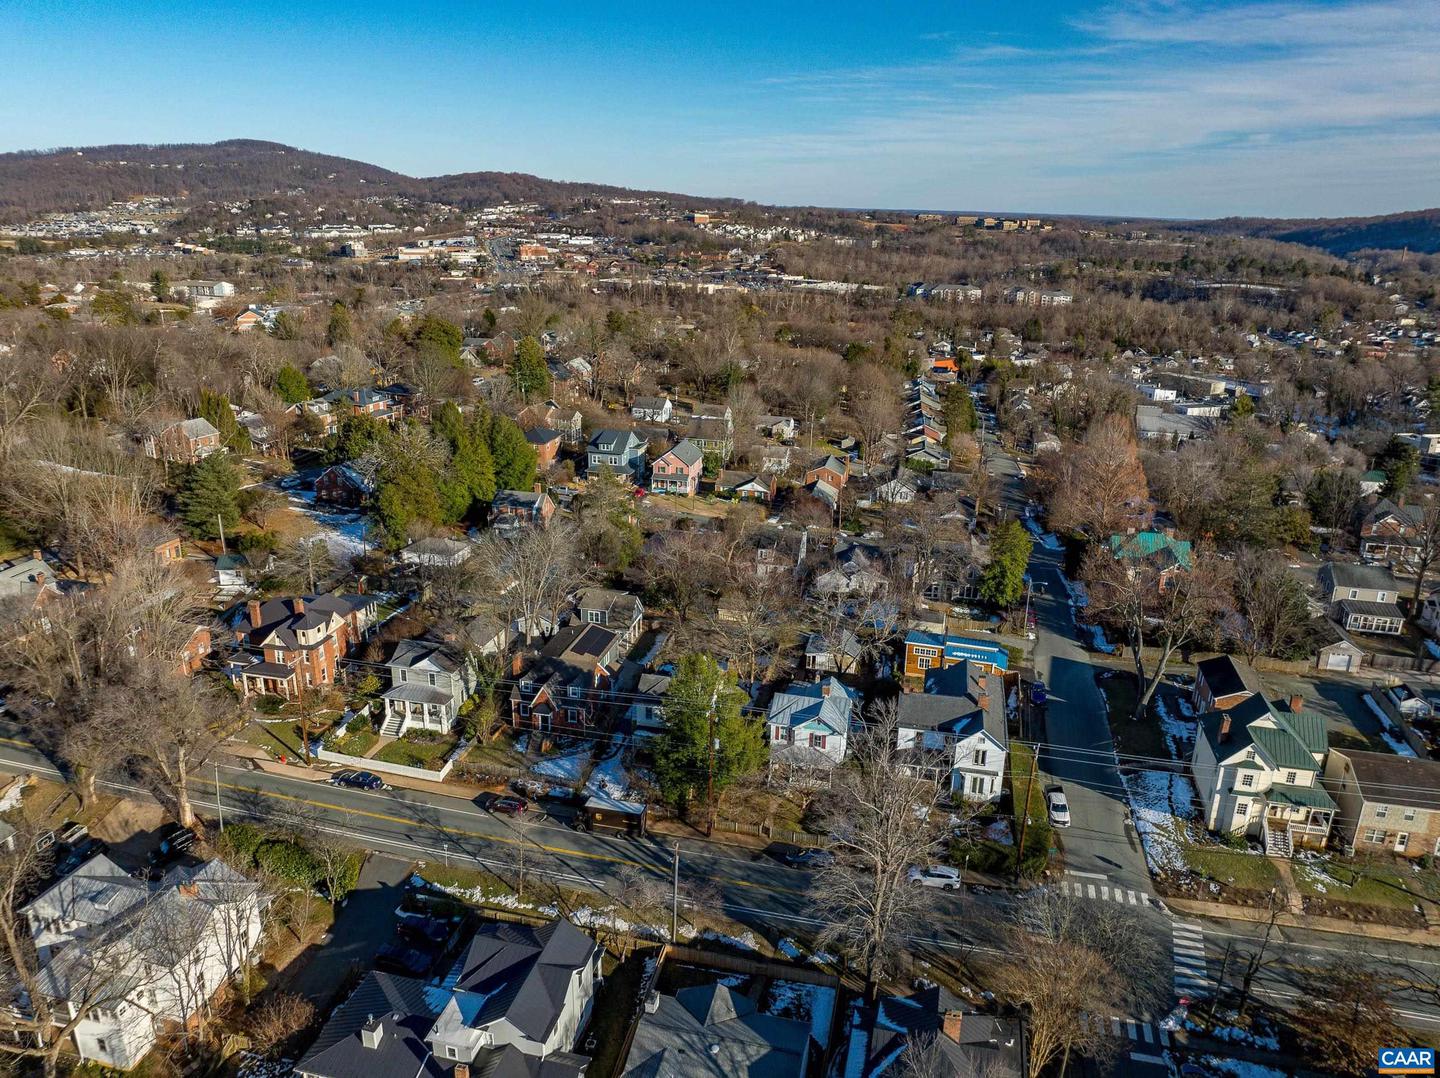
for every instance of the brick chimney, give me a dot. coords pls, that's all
(36, 554)
(299, 605)
(1297, 704)
(950, 1023)
(462, 1070)
(189, 890)
(538, 488)
(1224, 733)
(255, 612)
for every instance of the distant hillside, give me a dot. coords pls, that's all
(1419, 230)
(88, 177)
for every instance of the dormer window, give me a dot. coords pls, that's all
(527, 686)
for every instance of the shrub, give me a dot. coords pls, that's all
(269, 704)
(288, 861)
(239, 843)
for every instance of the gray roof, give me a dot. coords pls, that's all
(1371, 610)
(523, 973)
(1344, 574)
(615, 441)
(687, 453)
(197, 428)
(1227, 675)
(951, 703)
(986, 1044)
(1388, 779)
(712, 1030)
(424, 653)
(25, 576)
(828, 702)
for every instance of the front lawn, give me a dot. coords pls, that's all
(1336, 883)
(1133, 738)
(412, 751)
(1231, 868)
(357, 741)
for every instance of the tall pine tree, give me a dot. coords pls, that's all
(209, 496)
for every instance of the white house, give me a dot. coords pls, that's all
(809, 725)
(140, 956)
(437, 552)
(1257, 772)
(954, 731)
(428, 683)
(652, 409)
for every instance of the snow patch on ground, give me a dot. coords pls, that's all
(740, 943)
(1175, 732)
(1098, 641)
(1045, 539)
(566, 767)
(342, 531)
(1160, 803)
(1388, 733)
(1240, 1068)
(609, 776)
(999, 831)
(789, 948)
(11, 800)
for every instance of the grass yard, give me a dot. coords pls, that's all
(357, 741)
(1233, 868)
(429, 755)
(1387, 886)
(499, 753)
(1132, 738)
(279, 737)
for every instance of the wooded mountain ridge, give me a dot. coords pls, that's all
(1417, 230)
(89, 177)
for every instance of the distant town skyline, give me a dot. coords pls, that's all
(1167, 109)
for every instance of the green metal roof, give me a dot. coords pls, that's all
(1283, 747)
(1313, 797)
(1145, 545)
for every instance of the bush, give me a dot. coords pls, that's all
(288, 861)
(278, 1019)
(269, 704)
(239, 843)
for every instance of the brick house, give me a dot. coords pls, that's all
(184, 442)
(830, 470)
(1389, 533)
(1222, 682)
(514, 509)
(294, 643)
(677, 471)
(342, 484)
(1387, 802)
(566, 687)
(546, 443)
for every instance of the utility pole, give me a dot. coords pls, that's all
(220, 520)
(1024, 814)
(675, 896)
(710, 776)
(219, 808)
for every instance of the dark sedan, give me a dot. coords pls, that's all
(359, 780)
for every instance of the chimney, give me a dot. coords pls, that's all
(825, 689)
(299, 605)
(255, 612)
(37, 555)
(983, 700)
(652, 1003)
(1224, 727)
(517, 664)
(189, 890)
(462, 1070)
(538, 488)
(950, 1023)
(1297, 704)
(372, 1031)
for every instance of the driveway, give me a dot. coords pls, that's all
(365, 924)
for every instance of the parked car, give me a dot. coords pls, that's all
(399, 958)
(359, 780)
(505, 805)
(1039, 695)
(425, 931)
(1057, 807)
(808, 858)
(78, 854)
(174, 841)
(942, 876)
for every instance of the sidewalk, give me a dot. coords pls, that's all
(1425, 937)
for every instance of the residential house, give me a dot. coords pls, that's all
(247, 320)
(1390, 534)
(232, 572)
(1362, 598)
(294, 644)
(184, 442)
(1386, 802)
(564, 690)
(677, 471)
(714, 1031)
(1372, 482)
(779, 549)
(437, 552)
(1257, 773)
(616, 451)
(809, 724)
(618, 611)
(196, 649)
(26, 585)
(553, 416)
(858, 568)
(512, 510)
(925, 650)
(429, 680)
(830, 470)
(546, 442)
(965, 1041)
(1156, 551)
(1430, 613)
(837, 654)
(713, 431)
(746, 486)
(1408, 700)
(1222, 682)
(645, 716)
(143, 957)
(344, 485)
(167, 548)
(777, 459)
(955, 732)
(651, 409)
(366, 401)
(511, 1007)
(781, 427)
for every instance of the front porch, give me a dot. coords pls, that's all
(1296, 816)
(416, 707)
(269, 679)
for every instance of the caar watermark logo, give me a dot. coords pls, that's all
(1407, 1061)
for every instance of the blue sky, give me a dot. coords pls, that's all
(1151, 107)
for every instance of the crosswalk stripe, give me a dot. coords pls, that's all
(1105, 892)
(1090, 890)
(1147, 1033)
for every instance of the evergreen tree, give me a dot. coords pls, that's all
(1401, 464)
(1244, 406)
(215, 407)
(701, 694)
(286, 327)
(445, 338)
(160, 285)
(960, 415)
(209, 495)
(1003, 581)
(407, 495)
(292, 386)
(513, 458)
(530, 374)
(339, 330)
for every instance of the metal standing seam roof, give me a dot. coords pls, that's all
(1299, 796)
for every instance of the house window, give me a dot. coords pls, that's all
(595, 617)
(1375, 835)
(1289, 778)
(524, 709)
(1381, 811)
(574, 691)
(1247, 780)
(817, 741)
(977, 784)
(451, 1052)
(1402, 840)
(1409, 815)
(981, 755)
(1354, 593)
(432, 679)
(1242, 809)
(101, 1046)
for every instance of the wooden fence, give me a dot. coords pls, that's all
(754, 966)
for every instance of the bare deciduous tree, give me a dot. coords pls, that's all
(529, 576)
(1097, 486)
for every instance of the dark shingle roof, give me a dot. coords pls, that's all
(1388, 779)
(1227, 675)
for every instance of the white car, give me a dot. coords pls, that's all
(942, 876)
(1057, 807)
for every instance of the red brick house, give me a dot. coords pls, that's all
(831, 470)
(184, 442)
(340, 484)
(546, 443)
(677, 471)
(1390, 533)
(565, 688)
(513, 509)
(294, 643)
